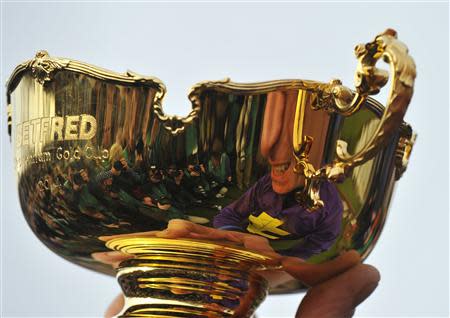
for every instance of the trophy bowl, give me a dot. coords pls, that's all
(191, 212)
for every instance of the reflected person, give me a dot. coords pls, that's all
(269, 208)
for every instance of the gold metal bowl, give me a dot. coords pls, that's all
(287, 167)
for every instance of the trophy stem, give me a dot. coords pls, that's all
(188, 278)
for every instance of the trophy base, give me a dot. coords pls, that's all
(188, 278)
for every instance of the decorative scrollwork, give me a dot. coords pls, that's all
(368, 81)
(43, 67)
(334, 97)
(403, 152)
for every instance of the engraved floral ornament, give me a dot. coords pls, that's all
(43, 67)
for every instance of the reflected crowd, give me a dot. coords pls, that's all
(79, 200)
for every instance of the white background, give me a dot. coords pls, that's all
(185, 43)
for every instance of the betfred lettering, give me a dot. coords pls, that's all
(41, 130)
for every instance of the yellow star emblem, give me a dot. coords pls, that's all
(265, 223)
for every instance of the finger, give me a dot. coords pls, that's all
(259, 244)
(339, 296)
(254, 243)
(115, 307)
(217, 235)
(113, 258)
(313, 274)
(178, 228)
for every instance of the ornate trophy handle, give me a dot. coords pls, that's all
(368, 81)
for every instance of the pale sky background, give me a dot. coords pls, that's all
(183, 43)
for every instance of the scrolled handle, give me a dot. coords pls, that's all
(369, 80)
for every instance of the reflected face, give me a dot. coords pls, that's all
(107, 182)
(155, 176)
(124, 163)
(276, 141)
(84, 175)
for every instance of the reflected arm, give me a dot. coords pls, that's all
(235, 216)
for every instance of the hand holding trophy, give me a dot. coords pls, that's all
(261, 188)
(336, 287)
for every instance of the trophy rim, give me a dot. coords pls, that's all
(43, 67)
(139, 245)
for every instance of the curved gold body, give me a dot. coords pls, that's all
(98, 160)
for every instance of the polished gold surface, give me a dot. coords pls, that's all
(300, 168)
(197, 278)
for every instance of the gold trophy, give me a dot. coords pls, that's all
(190, 213)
